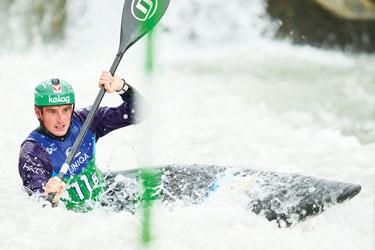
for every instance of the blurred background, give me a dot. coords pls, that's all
(341, 24)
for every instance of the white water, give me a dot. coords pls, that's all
(254, 102)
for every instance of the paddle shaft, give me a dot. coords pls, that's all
(88, 121)
(86, 125)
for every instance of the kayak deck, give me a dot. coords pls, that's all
(284, 197)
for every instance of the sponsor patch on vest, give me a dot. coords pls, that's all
(34, 169)
(77, 163)
(67, 152)
(51, 149)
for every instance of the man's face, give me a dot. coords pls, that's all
(56, 119)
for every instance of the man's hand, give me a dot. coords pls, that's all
(55, 185)
(110, 83)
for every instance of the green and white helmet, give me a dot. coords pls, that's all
(53, 92)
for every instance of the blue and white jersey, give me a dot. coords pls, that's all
(58, 150)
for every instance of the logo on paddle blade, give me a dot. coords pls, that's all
(143, 10)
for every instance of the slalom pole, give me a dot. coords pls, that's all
(150, 177)
(149, 60)
(150, 181)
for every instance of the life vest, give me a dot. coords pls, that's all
(84, 181)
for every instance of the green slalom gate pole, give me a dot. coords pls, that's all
(150, 180)
(150, 177)
(149, 60)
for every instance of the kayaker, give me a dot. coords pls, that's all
(46, 148)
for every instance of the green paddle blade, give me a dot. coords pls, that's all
(138, 18)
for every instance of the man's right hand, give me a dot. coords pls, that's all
(54, 185)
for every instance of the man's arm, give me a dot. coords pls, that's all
(132, 111)
(34, 166)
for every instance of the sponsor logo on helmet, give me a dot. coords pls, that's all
(56, 88)
(58, 99)
(143, 10)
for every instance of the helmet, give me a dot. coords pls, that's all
(53, 92)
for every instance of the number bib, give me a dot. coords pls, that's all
(84, 189)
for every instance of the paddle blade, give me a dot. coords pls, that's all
(138, 18)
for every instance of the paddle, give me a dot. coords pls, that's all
(138, 18)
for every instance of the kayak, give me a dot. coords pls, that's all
(282, 197)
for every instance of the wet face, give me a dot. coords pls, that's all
(56, 119)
